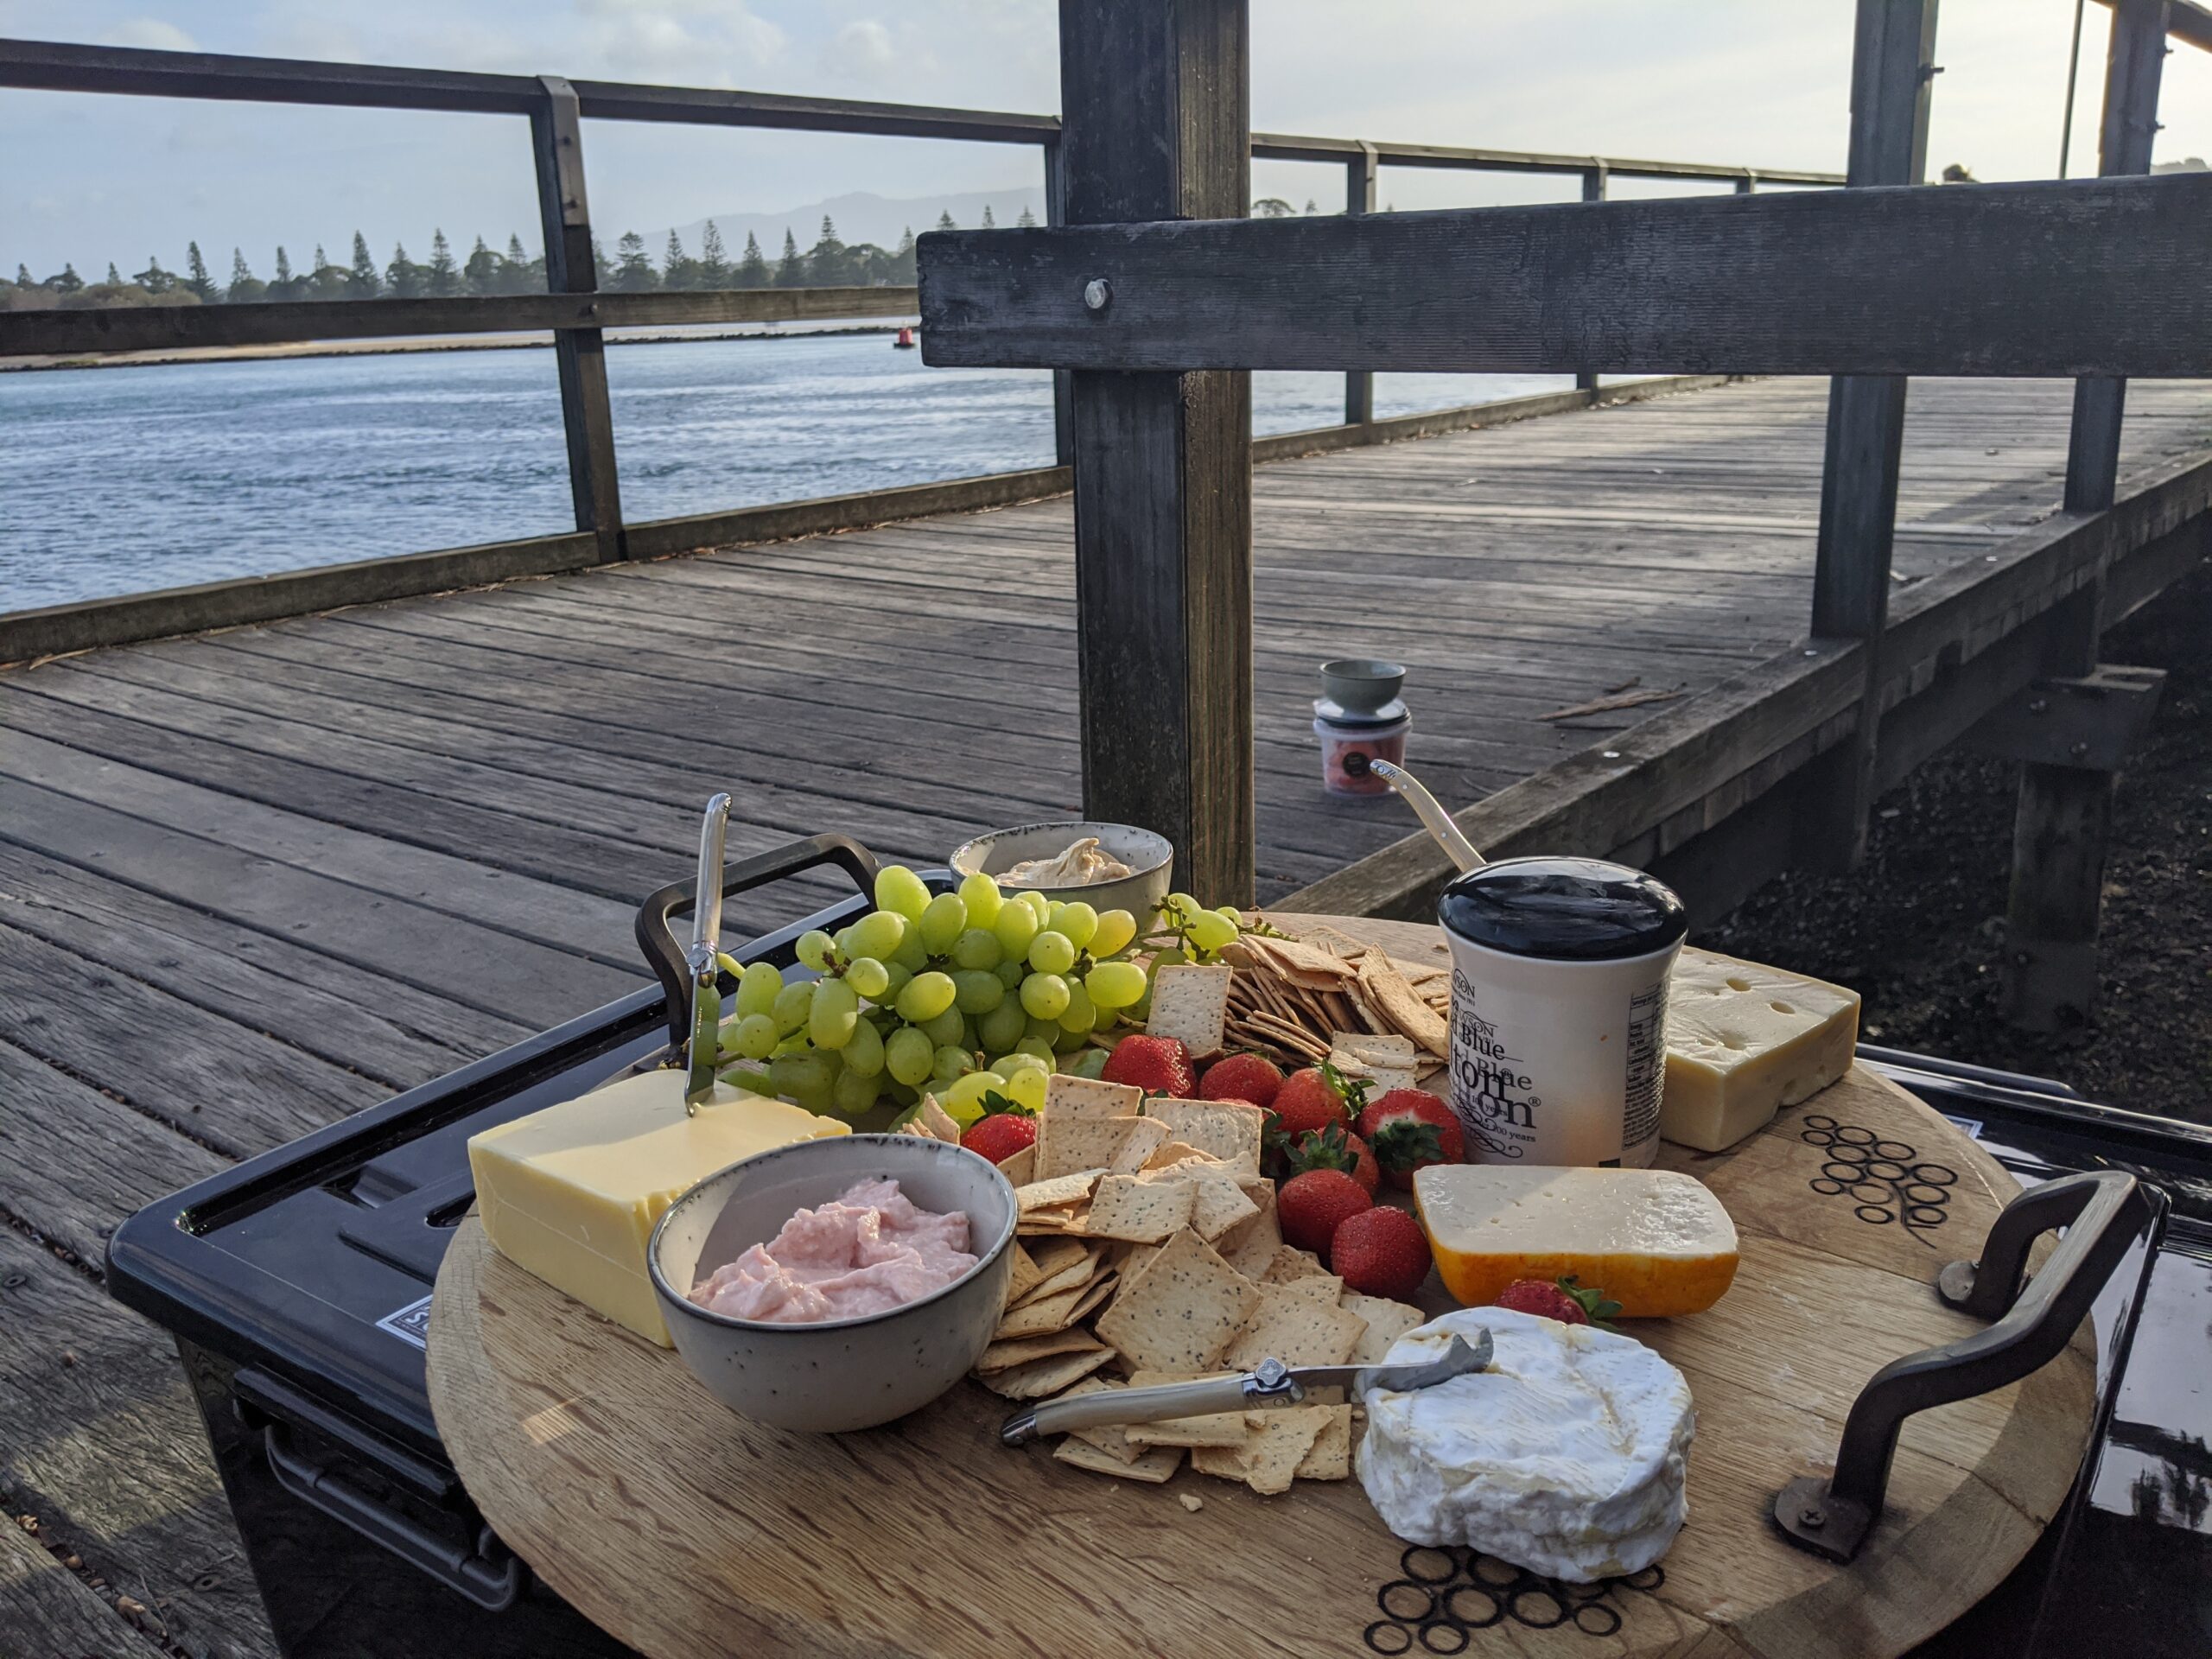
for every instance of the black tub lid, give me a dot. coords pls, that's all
(1564, 910)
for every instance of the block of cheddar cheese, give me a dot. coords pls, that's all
(571, 1192)
(1655, 1241)
(1743, 1041)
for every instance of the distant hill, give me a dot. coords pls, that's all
(862, 216)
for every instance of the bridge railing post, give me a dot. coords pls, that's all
(580, 355)
(2064, 814)
(1361, 175)
(1056, 213)
(1156, 124)
(1594, 182)
(1890, 70)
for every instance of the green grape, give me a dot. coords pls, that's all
(1085, 1062)
(1078, 921)
(980, 892)
(1044, 996)
(947, 1030)
(1025, 1087)
(1169, 957)
(1040, 1047)
(1052, 912)
(1068, 1041)
(843, 938)
(1039, 906)
(806, 1079)
(1115, 985)
(1115, 929)
(753, 1079)
(964, 1099)
(1019, 1059)
(1209, 931)
(1000, 1028)
(1040, 1031)
(836, 1013)
(926, 995)
(753, 1035)
(1015, 926)
(897, 978)
(757, 990)
(1079, 1013)
(1183, 902)
(911, 955)
(978, 948)
(1231, 913)
(1051, 953)
(814, 948)
(794, 1043)
(868, 977)
(898, 888)
(1012, 972)
(794, 1003)
(976, 991)
(908, 1055)
(854, 1094)
(878, 934)
(942, 921)
(864, 1054)
(948, 1063)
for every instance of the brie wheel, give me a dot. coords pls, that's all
(1567, 1457)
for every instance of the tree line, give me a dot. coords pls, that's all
(830, 262)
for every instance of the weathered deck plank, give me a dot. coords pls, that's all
(309, 863)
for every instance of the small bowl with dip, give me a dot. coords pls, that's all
(806, 1363)
(1122, 867)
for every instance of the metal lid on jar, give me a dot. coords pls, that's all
(1564, 910)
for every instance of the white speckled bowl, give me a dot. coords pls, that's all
(1150, 857)
(842, 1374)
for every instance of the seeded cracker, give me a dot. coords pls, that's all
(1390, 994)
(1250, 1245)
(1091, 1097)
(1147, 1212)
(1047, 1195)
(1296, 1330)
(1024, 1278)
(1142, 1140)
(1107, 1437)
(1079, 1271)
(1069, 1140)
(1323, 1287)
(1155, 1467)
(1041, 1317)
(1386, 1322)
(1020, 1168)
(1182, 1311)
(1290, 1262)
(1190, 1003)
(1005, 1355)
(1169, 1153)
(1042, 1377)
(1331, 1458)
(1228, 1129)
(1214, 1428)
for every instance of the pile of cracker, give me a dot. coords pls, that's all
(1308, 999)
(1147, 1252)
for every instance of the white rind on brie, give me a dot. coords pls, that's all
(1567, 1457)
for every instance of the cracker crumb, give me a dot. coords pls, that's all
(1190, 1500)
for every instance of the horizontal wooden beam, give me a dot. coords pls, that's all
(2093, 277)
(172, 327)
(1289, 147)
(1689, 771)
(2186, 21)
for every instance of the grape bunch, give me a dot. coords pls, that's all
(975, 996)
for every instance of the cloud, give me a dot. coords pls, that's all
(692, 42)
(149, 32)
(862, 49)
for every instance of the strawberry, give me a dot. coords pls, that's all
(1309, 1207)
(998, 1136)
(1333, 1148)
(1381, 1252)
(1565, 1301)
(1159, 1065)
(1253, 1078)
(1318, 1098)
(1410, 1129)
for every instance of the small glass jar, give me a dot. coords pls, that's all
(1383, 740)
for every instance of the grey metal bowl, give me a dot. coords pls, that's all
(1360, 685)
(839, 1374)
(1150, 858)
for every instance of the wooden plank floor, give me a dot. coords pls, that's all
(253, 881)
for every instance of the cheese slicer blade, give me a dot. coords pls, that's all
(705, 1046)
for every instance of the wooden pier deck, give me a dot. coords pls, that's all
(253, 882)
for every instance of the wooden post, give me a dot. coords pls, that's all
(1594, 181)
(1360, 178)
(1155, 110)
(579, 353)
(1890, 69)
(1747, 184)
(2064, 813)
(1056, 213)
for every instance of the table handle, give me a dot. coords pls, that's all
(2106, 1210)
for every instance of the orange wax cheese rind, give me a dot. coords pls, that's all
(1655, 1241)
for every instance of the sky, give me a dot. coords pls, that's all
(94, 179)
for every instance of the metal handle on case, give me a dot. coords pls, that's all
(666, 956)
(2102, 1212)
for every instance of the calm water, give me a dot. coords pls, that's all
(117, 480)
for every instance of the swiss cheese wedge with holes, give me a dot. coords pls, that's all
(1743, 1041)
(1656, 1241)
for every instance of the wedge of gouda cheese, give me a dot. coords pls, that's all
(571, 1192)
(1655, 1241)
(1743, 1041)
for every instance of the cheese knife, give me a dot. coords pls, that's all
(705, 1046)
(1269, 1383)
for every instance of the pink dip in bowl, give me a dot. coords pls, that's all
(868, 1251)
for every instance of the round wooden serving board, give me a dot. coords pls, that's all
(686, 1531)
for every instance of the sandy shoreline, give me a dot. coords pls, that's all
(423, 343)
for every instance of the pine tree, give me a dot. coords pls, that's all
(944, 222)
(714, 262)
(445, 276)
(315, 270)
(114, 276)
(283, 266)
(751, 269)
(900, 266)
(1310, 208)
(678, 268)
(791, 272)
(520, 274)
(601, 272)
(362, 281)
(70, 283)
(1028, 221)
(23, 276)
(402, 275)
(482, 269)
(153, 279)
(828, 263)
(196, 280)
(990, 223)
(634, 269)
(244, 288)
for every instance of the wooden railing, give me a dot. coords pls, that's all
(579, 316)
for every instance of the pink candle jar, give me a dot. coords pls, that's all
(1365, 736)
